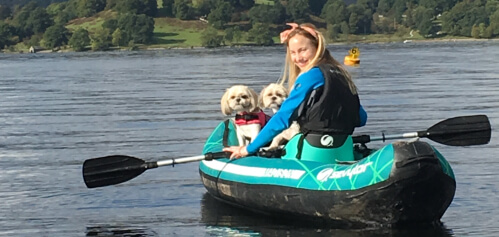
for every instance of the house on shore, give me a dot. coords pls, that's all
(35, 49)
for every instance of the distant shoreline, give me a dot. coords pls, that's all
(156, 47)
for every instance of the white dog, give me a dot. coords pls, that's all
(272, 97)
(249, 117)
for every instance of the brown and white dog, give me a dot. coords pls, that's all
(272, 97)
(249, 118)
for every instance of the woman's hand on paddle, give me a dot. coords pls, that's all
(236, 151)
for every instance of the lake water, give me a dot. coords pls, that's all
(57, 110)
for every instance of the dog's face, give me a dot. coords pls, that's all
(272, 96)
(239, 99)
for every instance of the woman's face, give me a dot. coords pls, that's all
(302, 50)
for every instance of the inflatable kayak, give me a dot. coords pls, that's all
(404, 182)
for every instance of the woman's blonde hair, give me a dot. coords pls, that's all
(322, 56)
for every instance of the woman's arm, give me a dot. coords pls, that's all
(304, 84)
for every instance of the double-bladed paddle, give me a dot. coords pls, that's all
(115, 169)
(457, 131)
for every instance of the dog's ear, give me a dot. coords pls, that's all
(260, 98)
(224, 103)
(254, 101)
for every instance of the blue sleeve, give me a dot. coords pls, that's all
(304, 84)
(363, 116)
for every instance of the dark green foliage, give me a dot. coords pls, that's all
(260, 34)
(138, 28)
(100, 40)
(182, 9)
(298, 10)
(359, 21)
(316, 6)
(55, 36)
(7, 32)
(233, 34)
(261, 14)
(110, 24)
(335, 12)
(221, 15)
(275, 14)
(461, 18)
(246, 4)
(147, 7)
(168, 7)
(32, 21)
(79, 40)
(210, 38)
(86, 8)
(5, 12)
(42, 3)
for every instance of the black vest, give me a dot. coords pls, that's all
(330, 109)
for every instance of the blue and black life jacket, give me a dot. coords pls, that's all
(329, 115)
(332, 108)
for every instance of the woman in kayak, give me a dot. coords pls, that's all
(323, 100)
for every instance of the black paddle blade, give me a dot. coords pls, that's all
(109, 170)
(461, 131)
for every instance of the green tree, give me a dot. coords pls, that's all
(424, 21)
(494, 23)
(345, 29)
(461, 18)
(86, 8)
(246, 4)
(5, 12)
(117, 37)
(298, 10)
(110, 24)
(150, 8)
(263, 14)
(487, 32)
(360, 19)
(210, 38)
(168, 7)
(111, 4)
(182, 9)
(67, 14)
(384, 7)
(79, 40)
(260, 34)
(100, 40)
(316, 6)
(475, 32)
(233, 34)
(7, 32)
(335, 12)
(138, 28)
(55, 36)
(219, 16)
(38, 21)
(333, 31)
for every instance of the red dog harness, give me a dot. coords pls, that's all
(252, 118)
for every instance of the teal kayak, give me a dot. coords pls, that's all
(404, 182)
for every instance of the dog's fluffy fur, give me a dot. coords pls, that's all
(240, 99)
(271, 97)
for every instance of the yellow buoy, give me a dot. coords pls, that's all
(352, 58)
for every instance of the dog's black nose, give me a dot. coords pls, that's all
(274, 98)
(238, 99)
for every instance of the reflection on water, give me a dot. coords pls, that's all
(119, 231)
(226, 220)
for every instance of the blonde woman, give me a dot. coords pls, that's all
(323, 100)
